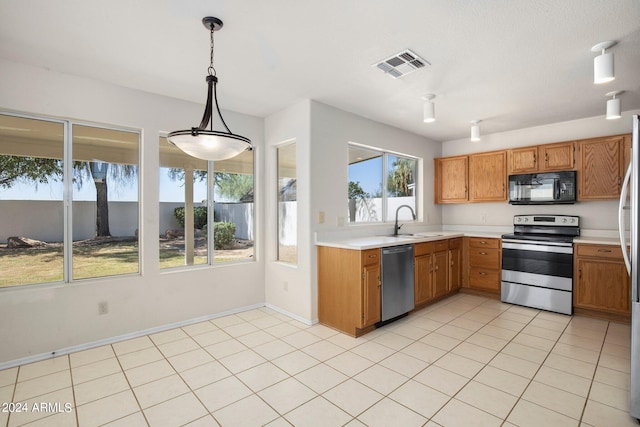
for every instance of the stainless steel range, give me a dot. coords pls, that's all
(537, 262)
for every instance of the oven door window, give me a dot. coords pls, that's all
(538, 259)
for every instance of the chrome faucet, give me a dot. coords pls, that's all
(397, 227)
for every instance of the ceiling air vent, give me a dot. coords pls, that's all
(401, 64)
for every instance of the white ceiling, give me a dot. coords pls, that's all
(511, 63)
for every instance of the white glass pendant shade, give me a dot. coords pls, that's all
(475, 130)
(209, 145)
(614, 109)
(429, 109)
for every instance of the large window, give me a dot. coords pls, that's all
(31, 190)
(186, 237)
(287, 204)
(379, 183)
(71, 193)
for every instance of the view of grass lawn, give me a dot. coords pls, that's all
(24, 266)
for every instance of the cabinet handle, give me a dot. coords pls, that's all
(534, 159)
(482, 242)
(604, 250)
(482, 273)
(580, 273)
(483, 253)
(546, 157)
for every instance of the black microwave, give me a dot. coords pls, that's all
(545, 188)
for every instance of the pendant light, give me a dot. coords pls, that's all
(209, 144)
(613, 106)
(475, 130)
(603, 63)
(429, 108)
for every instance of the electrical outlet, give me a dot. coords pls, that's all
(340, 221)
(483, 218)
(285, 286)
(321, 217)
(103, 307)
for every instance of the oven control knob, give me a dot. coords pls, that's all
(519, 219)
(564, 219)
(526, 219)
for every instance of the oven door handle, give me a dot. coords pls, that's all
(538, 247)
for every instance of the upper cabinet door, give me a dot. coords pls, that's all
(559, 156)
(523, 160)
(451, 179)
(488, 176)
(601, 167)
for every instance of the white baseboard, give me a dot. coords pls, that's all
(111, 340)
(293, 316)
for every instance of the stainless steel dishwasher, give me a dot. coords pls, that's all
(397, 281)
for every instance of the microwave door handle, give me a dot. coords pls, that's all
(556, 189)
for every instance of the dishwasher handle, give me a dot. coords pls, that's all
(397, 249)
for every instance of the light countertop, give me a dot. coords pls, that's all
(372, 242)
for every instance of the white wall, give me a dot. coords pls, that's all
(288, 286)
(331, 131)
(41, 319)
(598, 217)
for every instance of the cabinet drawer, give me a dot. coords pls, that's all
(484, 278)
(455, 243)
(423, 248)
(441, 245)
(485, 258)
(600, 251)
(481, 242)
(370, 256)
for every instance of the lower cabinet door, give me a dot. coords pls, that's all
(371, 295)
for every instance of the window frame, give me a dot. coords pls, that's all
(384, 196)
(68, 194)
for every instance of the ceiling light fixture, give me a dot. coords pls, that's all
(613, 106)
(429, 108)
(209, 144)
(475, 130)
(603, 63)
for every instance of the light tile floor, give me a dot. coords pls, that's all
(465, 361)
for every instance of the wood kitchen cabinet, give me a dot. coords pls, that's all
(349, 289)
(522, 160)
(601, 281)
(556, 157)
(455, 264)
(542, 158)
(430, 270)
(602, 164)
(485, 263)
(437, 269)
(488, 176)
(451, 179)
